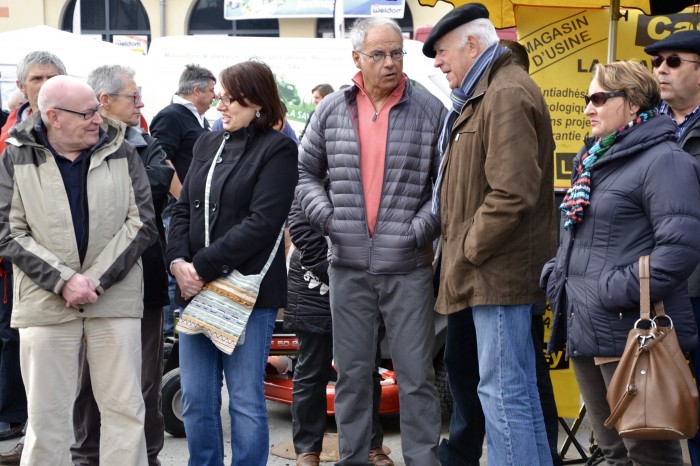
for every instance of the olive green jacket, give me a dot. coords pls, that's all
(497, 199)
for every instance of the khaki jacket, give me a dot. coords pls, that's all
(497, 199)
(37, 235)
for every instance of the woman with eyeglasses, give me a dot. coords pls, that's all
(634, 192)
(244, 178)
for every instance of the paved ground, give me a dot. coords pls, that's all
(175, 450)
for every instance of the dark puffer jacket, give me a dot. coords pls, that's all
(405, 228)
(691, 144)
(160, 174)
(645, 199)
(308, 305)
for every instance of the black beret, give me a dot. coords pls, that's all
(687, 41)
(452, 20)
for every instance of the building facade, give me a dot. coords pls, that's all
(156, 18)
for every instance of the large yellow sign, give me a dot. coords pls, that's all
(565, 44)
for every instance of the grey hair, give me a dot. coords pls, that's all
(362, 25)
(39, 57)
(194, 76)
(109, 79)
(482, 29)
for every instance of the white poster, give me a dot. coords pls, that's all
(257, 9)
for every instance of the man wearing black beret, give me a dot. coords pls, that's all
(676, 62)
(494, 193)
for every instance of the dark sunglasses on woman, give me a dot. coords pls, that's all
(599, 98)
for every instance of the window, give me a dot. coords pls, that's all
(108, 18)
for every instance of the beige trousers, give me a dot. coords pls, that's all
(49, 358)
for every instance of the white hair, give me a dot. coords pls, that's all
(482, 29)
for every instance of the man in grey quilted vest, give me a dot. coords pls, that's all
(378, 142)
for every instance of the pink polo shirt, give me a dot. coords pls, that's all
(373, 128)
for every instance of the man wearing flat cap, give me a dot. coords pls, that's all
(494, 193)
(676, 62)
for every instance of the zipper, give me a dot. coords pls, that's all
(566, 278)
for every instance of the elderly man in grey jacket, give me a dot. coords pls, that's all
(377, 140)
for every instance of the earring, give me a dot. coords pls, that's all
(257, 113)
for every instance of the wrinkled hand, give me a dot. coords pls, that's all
(79, 290)
(187, 279)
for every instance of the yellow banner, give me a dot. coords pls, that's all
(565, 44)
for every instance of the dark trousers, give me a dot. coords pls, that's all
(86, 415)
(694, 443)
(467, 425)
(312, 373)
(13, 399)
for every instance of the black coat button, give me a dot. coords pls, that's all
(196, 204)
(225, 270)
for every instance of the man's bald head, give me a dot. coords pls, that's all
(61, 91)
(70, 112)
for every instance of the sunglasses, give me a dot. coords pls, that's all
(673, 61)
(599, 98)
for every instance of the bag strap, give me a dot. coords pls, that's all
(207, 187)
(644, 291)
(627, 397)
(273, 253)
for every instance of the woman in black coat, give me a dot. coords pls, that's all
(251, 190)
(634, 193)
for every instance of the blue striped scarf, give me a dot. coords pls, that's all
(578, 197)
(459, 98)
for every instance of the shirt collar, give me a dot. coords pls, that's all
(687, 122)
(191, 107)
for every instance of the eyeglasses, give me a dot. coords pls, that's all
(396, 55)
(599, 98)
(86, 115)
(673, 61)
(135, 97)
(224, 99)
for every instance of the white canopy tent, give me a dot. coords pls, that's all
(80, 54)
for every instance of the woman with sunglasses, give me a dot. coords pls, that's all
(244, 178)
(634, 192)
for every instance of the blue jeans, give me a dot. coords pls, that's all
(508, 386)
(201, 368)
(694, 443)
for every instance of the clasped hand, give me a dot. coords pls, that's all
(79, 290)
(187, 279)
